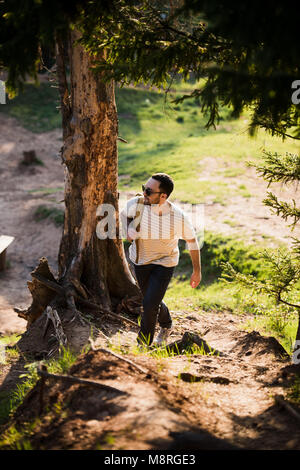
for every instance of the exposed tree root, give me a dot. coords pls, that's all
(44, 374)
(61, 302)
(133, 364)
(59, 332)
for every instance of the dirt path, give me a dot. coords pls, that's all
(19, 198)
(183, 402)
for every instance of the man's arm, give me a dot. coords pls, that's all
(194, 251)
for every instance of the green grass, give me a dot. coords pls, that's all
(275, 321)
(219, 248)
(213, 295)
(9, 401)
(46, 190)
(51, 213)
(163, 136)
(15, 439)
(294, 391)
(158, 142)
(36, 108)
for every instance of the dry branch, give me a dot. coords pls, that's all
(140, 369)
(78, 286)
(52, 315)
(42, 372)
(50, 284)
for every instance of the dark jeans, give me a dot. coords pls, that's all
(153, 280)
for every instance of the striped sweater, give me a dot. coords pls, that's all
(159, 234)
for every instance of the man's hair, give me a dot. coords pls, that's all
(166, 184)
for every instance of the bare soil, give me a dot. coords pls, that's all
(183, 402)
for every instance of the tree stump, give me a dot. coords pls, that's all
(29, 158)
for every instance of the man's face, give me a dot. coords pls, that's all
(155, 197)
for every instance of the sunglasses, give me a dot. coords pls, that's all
(149, 191)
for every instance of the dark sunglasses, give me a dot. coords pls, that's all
(149, 191)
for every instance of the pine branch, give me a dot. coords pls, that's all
(288, 303)
(282, 208)
(296, 246)
(279, 168)
(284, 273)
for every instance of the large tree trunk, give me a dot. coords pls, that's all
(91, 178)
(90, 269)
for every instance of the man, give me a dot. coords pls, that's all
(154, 225)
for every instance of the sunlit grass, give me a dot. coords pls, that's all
(163, 136)
(10, 401)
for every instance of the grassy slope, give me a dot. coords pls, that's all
(166, 137)
(162, 136)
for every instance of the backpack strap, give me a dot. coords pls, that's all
(137, 221)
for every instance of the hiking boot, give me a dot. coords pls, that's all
(162, 336)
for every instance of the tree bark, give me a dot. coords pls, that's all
(90, 157)
(89, 268)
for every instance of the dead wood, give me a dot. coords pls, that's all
(72, 306)
(52, 315)
(120, 317)
(86, 303)
(42, 295)
(53, 285)
(42, 372)
(122, 140)
(41, 282)
(188, 340)
(80, 289)
(22, 312)
(107, 351)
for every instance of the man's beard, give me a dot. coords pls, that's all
(148, 203)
